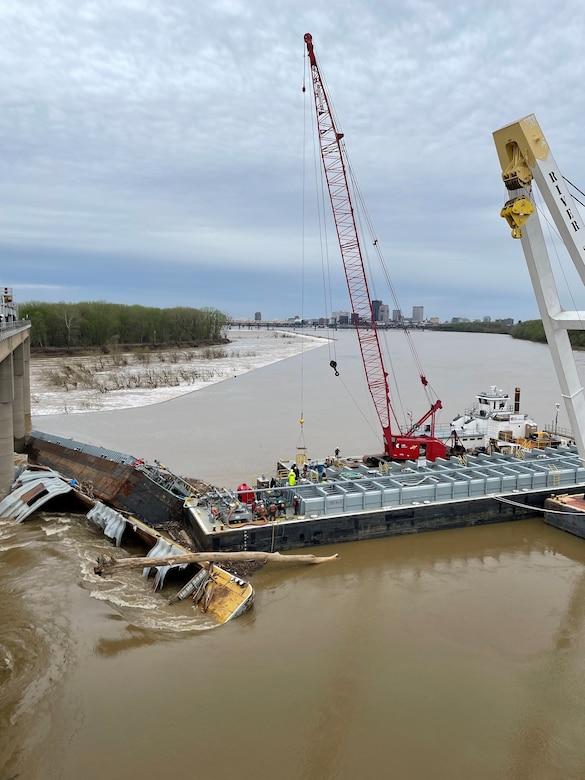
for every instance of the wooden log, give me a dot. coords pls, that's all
(107, 564)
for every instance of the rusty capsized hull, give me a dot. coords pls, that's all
(149, 492)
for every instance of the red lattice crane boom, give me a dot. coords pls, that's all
(397, 446)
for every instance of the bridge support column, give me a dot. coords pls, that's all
(6, 425)
(26, 385)
(18, 419)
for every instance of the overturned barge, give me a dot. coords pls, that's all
(147, 491)
(85, 476)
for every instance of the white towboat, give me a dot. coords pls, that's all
(495, 421)
(493, 413)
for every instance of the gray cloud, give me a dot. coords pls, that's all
(159, 135)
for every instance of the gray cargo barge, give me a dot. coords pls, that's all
(347, 502)
(363, 503)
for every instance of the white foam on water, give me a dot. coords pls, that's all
(176, 372)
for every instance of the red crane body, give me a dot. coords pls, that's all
(397, 446)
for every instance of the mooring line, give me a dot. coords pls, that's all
(537, 508)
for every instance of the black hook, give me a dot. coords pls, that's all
(333, 364)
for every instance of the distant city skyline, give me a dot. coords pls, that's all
(381, 314)
(345, 318)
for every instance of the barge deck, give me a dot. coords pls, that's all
(360, 503)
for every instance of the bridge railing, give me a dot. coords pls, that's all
(8, 328)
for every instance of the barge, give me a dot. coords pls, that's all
(566, 512)
(149, 492)
(352, 502)
(337, 501)
(213, 589)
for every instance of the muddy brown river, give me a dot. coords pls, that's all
(448, 655)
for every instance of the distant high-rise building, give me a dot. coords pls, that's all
(340, 317)
(257, 316)
(396, 315)
(376, 310)
(487, 319)
(383, 313)
(418, 313)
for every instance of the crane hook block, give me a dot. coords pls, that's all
(517, 175)
(516, 212)
(333, 364)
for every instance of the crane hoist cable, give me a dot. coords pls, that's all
(321, 190)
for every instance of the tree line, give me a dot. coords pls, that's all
(529, 330)
(97, 323)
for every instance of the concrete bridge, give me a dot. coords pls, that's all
(15, 420)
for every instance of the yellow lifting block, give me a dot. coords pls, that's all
(516, 212)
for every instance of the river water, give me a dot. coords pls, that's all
(456, 654)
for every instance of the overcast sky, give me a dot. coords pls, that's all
(159, 151)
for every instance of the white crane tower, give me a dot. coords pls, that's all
(525, 158)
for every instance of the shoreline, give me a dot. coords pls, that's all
(127, 381)
(192, 432)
